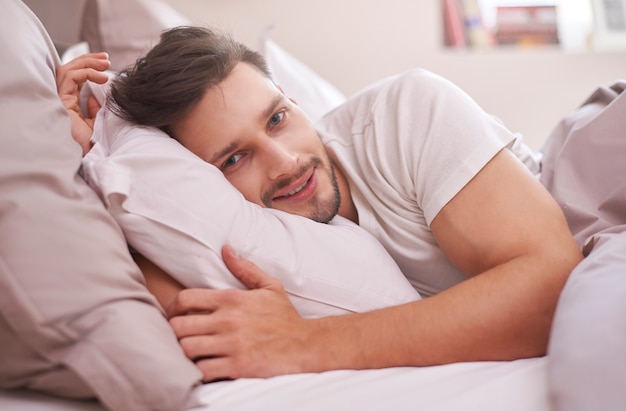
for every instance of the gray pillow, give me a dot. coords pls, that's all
(584, 169)
(588, 341)
(75, 317)
(112, 26)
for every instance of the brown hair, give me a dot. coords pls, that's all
(172, 78)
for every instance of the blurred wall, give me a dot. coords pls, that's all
(354, 42)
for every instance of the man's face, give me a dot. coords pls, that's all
(264, 144)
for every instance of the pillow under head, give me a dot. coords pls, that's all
(179, 211)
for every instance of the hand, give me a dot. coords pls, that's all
(70, 80)
(241, 333)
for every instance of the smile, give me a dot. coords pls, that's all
(298, 189)
(301, 190)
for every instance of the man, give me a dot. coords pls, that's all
(413, 160)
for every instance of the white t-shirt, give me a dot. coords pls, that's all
(407, 146)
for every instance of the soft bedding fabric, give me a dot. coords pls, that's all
(483, 386)
(127, 29)
(584, 165)
(75, 317)
(588, 344)
(178, 211)
(585, 169)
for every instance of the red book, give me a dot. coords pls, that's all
(454, 28)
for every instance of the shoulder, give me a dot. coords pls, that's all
(417, 83)
(416, 97)
(412, 91)
(413, 84)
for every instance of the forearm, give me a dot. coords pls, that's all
(502, 314)
(160, 284)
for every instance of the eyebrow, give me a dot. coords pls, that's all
(279, 98)
(224, 152)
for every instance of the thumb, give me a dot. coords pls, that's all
(247, 272)
(92, 107)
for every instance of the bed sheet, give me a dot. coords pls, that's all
(513, 386)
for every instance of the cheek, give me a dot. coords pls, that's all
(305, 140)
(316, 146)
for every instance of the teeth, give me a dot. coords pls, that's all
(297, 189)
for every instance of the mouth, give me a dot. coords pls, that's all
(301, 189)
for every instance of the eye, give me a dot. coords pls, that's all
(232, 160)
(276, 119)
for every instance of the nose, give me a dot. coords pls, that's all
(282, 160)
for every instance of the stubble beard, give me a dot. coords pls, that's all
(321, 210)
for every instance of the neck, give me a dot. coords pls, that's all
(346, 208)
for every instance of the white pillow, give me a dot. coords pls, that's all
(178, 211)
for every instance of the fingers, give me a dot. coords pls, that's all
(72, 81)
(247, 272)
(92, 107)
(218, 368)
(96, 61)
(204, 341)
(81, 131)
(71, 76)
(212, 355)
(202, 300)
(194, 324)
(197, 347)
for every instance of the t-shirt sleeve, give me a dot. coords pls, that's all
(443, 138)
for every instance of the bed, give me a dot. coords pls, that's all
(517, 386)
(64, 343)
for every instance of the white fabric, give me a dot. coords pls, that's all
(179, 211)
(485, 386)
(407, 145)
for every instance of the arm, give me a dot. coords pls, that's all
(161, 285)
(503, 229)
(70, 79)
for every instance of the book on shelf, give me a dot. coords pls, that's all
(454, 29)
(478, 34)
(464, 25)
(527, 25)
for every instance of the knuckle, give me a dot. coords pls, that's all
(210, 374)
(176, 324)
(182, 298)
(277, 285)
(182, 301)
(187, 344)
(231, 296)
